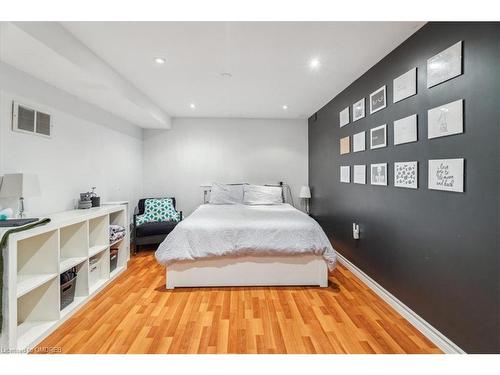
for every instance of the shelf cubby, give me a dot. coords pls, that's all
(81, 287)
(37, 261)
(99, 231)
(97, 280)
(122, 255)
(37, 311)
(118, 218)
(74, 245)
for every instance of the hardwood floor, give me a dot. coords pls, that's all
(136, 314)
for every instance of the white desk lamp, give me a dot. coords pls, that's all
(20, 185)
(305, 193)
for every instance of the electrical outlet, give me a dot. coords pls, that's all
(355, 231)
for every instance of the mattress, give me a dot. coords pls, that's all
(242, 230)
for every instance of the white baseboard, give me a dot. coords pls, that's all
(440, 340)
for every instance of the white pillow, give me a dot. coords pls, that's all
(256, 194)
(226, 194)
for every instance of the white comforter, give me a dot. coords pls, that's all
(218, 230)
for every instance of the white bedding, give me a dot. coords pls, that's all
(218, 230)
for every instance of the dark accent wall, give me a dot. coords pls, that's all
(436, 251)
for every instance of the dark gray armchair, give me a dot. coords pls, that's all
(151, 233)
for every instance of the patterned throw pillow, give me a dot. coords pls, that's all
(158, 210)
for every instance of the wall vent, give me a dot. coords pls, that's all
(26, 119)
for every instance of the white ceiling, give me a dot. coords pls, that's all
(48, 52)
(268, 61)
(112, 64)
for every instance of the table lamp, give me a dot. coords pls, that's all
(20, 185)
(305, 193)
(206, 189)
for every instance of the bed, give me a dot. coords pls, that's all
(246, 245)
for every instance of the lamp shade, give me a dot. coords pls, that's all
(19, 185)
(305, 192)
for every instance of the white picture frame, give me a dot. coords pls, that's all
(444, 66)
(345, 174)
(358, 110)
(378, 100)
(378, 137)
(446, 175)
(406, 174)
(447, 119)
(359, 174)
(405, 130)
(359, 142)
(404, 86)
(345, 145)
(344, 117)
(378, 174)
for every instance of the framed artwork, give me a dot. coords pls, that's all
(405, 130)
(404, 86)
(345, 145)
(445, 120)
(358, 142)
(359, 174)
(377, 100)
(378, 137)
(406, 174)
(446, 174)
(344, 117)
(358, 110)
(378, 174)
(345, 174)
(445, 65)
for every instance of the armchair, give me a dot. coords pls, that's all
(151, 233)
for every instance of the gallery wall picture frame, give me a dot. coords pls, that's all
(447, 119)
(345, 174)
(444, 66)
(378, 137)
(359, 174)
(358, 110)
(446, 175)
(378, 100)
(378, 174)
(345, 145)
(405, 130)
(344, 117)
(406, 174)
(359, 142)
(404, 86)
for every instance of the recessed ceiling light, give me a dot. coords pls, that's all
(314, 63)
(192, 106)
(160, 60)
(285, 106)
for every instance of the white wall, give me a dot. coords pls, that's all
(197, 151)
(88, 148)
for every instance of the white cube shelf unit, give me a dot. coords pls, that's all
(35, 259)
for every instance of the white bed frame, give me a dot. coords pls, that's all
(249, 271)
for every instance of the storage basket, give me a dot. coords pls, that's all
(113, 261)
(68, 293)
(95, 270)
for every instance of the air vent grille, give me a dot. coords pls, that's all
(43, 123)
(26, 119)
(29, 120)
